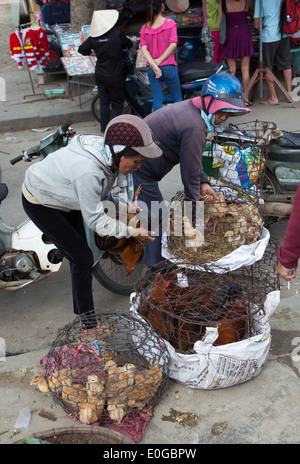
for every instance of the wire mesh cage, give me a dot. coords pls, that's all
(239, 154)
(181, 303)
(219, 228)
(108, 373)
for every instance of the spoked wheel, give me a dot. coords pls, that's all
(95, 107)
(110, 272)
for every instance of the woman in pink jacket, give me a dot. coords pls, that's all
(158, 42)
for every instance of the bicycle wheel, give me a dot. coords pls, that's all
(110, 272)
(95, 107)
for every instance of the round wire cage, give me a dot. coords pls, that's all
(239, 153)
(221, 226)
(181, 303)
(108, 373)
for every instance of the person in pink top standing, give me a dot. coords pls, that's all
(158, 43)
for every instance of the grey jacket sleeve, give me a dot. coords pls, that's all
(89, 190)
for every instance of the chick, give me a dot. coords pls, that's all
(116, 408)
(118, 377)
(145, 386)
(94, 386)
(73, 393)
(41, 383)
(54, 381)
(87, 414)
(92, 409)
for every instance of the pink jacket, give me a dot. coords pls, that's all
(159, 38)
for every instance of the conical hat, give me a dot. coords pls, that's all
(179, 6)
(103, 21)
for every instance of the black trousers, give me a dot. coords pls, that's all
(66, 231)
(112, 96)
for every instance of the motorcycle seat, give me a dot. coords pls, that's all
(289, 139)
(3, 191)
(196, 70)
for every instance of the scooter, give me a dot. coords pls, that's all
(138, 92)
(27, 256)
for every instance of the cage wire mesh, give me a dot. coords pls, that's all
(227, 223)
(181, 303)
(110, 372)
(239, 154)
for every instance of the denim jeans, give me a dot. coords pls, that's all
(171, 78)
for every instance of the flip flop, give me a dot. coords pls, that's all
(248, 103)
(266, 102)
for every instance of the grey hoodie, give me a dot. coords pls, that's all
(77, 177)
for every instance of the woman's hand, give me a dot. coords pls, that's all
(156, 70)
(286, 274)
(142, 235)
(208, 193)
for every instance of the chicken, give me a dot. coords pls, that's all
(87, 414)
(232, 324)
(91, 409)
(146, 384)
(157, 309)
(130, 254)
(194, 237)
(129, 249)
(73, 394)
(118, 377)
(117, 408)
(94, 386)
(136, 395)
(132, 250)
(41, 383)
(54, 381)
(192, 310)
(215, 210)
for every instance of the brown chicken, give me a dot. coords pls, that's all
(192, 310)
(158, 310)
(129, 249)
(232, 324)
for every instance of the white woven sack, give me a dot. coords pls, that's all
(245, 255)
(212, 367)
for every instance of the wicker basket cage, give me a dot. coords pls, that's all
(79, 435)
(181, 303)
(107, 373)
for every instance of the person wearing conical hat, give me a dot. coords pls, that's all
(108, 44)
(178, 6)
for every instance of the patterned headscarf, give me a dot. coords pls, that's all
(124, 181)
(95, 144)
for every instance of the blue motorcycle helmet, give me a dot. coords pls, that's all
(222, 92)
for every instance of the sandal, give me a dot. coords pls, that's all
(248, 103)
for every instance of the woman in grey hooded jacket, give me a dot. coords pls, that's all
(68, 187)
